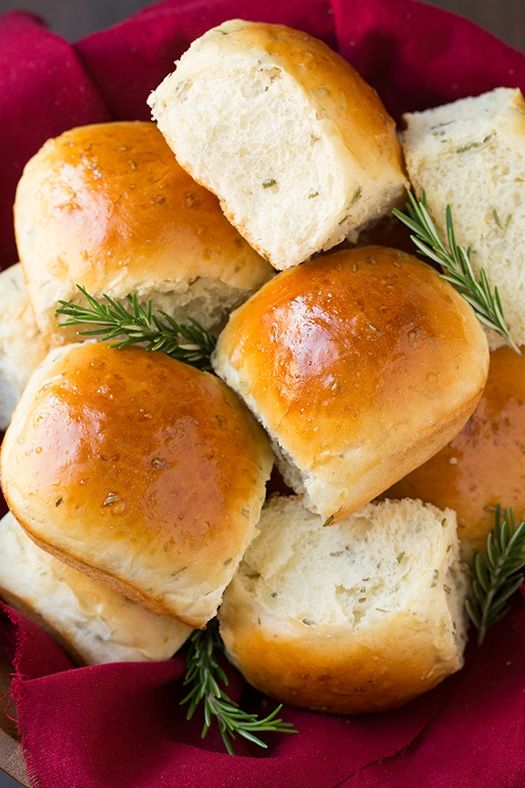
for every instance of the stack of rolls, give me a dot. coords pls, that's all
(107, 207)
(137, 484)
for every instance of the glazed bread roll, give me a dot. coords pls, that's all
(484, 464)
(22, 346)
(299, 149)
(108, 207)
(138, 470)
(93, 622)
(471, 155)
(360, 365)
(362, 616)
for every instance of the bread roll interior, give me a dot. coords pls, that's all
(94, 623)
(470, 154)
(361, 615)
(298, 148)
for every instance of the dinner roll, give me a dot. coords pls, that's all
(471, 155)
(484, 464)
(108, 207)
(138, 470)
(299, 149)
(22, 346)
(362, 616)
(92, 621)
(360, 365)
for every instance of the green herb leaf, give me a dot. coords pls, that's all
(456, 264)
(206, 680)
(130, 323)
(498, 572)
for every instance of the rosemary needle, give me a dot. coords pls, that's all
(497, 572)
(206, 681)
(456, 264)
(133, 324)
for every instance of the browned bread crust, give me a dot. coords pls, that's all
(139, 470)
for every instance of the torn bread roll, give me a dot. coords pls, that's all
(485, 464)
(94, 623)
(22, 346)
(471, 155)
(360, 365)
(138, 470)
(361, 616)
(299, 149)
(108, 207)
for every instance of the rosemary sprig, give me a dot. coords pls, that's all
(204, 676)
(134, 324)
(456, 264)
(188, 342)
(498, 572)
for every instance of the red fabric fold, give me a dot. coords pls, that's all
(478, 739)
(129, 60)
(121, 725)
(418, 57)
(44, 91)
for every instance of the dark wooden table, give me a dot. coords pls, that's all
(75, 18)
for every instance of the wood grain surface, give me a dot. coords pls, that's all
(76, 18)
(11, 759)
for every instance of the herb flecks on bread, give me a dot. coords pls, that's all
(456, 265)
(471, 155)
(94, 622)
(362, 615)
(107, 206)
(360, 365)
(298, 148)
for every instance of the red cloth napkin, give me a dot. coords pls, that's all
(120, 725)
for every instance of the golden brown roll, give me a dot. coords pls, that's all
(92, 621)
(362, 616)
(138, 470)
(484, 464)
(108, 207)
(298, 148)
(360, 365)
